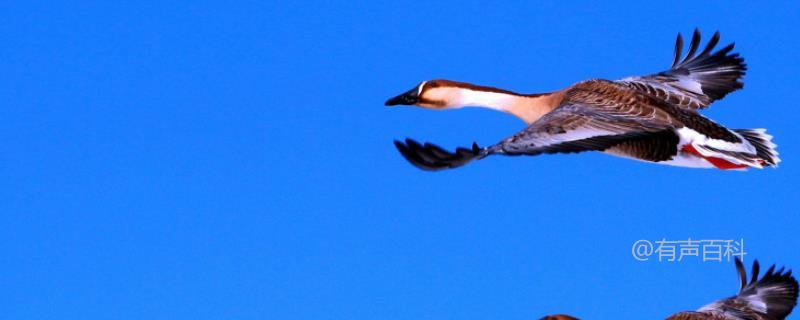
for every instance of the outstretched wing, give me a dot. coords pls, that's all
(772, 297)
(577, 127)
(695, 81)
(572, 127)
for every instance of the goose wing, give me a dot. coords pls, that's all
(577, 127)
(696, 80)
(771, 297)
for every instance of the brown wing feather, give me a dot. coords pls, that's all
(696, 81)
(691, 315)
(594, 116)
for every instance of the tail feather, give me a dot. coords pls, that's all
(766, 150)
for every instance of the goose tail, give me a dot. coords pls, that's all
(766, 150)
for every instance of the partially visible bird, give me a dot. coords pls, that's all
(559, 317)
(771, 297)
(650, 118)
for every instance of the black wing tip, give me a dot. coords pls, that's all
(755, 272)
(780, 275)
(770, 278)
(430, 157)
(742, 274)
(723, 67)
(694, 45)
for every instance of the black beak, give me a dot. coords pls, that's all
(408, 98)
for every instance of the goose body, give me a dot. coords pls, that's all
(650, 118)
(772, 296)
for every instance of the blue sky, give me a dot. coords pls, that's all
(234, 161)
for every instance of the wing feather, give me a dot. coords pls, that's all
(695, 81)
(576, 127)
(770, 297)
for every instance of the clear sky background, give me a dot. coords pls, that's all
(220, 160)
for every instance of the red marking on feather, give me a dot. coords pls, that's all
(724, 164)
(690, 149)
(717, 162)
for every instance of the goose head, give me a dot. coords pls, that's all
(446, 94)
(434, 94)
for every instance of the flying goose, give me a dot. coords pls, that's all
(651, 118)
(770, 298)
